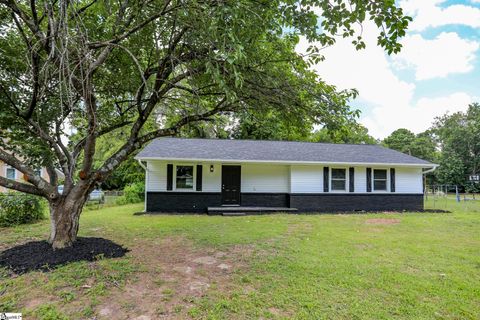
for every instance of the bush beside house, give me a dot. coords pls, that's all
(18, 208)
(133, 193)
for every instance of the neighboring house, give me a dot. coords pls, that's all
(13, 174)
(198, 175)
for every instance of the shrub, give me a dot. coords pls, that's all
(18, 208)
(133, 193)
(120, 201)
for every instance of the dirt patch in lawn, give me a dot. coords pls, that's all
(382, 221)
(39, 255)
(174, 276)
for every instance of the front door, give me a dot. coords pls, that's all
(231, 185)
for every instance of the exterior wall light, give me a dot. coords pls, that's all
(211, 168)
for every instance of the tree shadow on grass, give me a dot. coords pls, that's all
(39, 255)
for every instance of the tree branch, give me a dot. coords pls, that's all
(125, 35)
(43, 186)
(81, 143)
(19, 186)
(110, 164)
(84, 8)
(220, 107)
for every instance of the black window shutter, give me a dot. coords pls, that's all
(169, 176)
(369, 179)
(392, 180)
(199, 177)
(351, 182)
(325, 179)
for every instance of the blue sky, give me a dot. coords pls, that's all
(438, 70)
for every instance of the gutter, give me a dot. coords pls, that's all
(141, 164)
(146, 183)
(430, 170)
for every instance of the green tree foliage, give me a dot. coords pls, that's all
(270, 126)
(422, 145)
(220, 126)
(273, 125)
(352, 133)
(400, 140)
(458, 136)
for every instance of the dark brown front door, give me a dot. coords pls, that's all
(231, 185)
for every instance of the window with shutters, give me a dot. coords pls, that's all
(338, 180)
(380, 180)
(184, 177)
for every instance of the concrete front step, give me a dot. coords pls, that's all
(233, 214)
(238, 210)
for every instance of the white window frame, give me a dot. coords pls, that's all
(193, 189)
(387, 181)
(330, 177)
(14, 170)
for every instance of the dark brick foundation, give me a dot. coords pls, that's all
(265, 200)
(182, 202)
(356, 202)
(198, 202)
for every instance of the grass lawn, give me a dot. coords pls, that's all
(365, 266)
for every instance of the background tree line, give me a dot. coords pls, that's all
(453, 142)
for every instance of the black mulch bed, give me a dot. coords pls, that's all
(39, 255)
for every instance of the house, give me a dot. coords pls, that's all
(13, 174)
(214, 175)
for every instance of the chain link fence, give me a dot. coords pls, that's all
(448, 197)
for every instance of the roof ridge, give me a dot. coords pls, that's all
(291, 141)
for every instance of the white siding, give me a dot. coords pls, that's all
(360, 179)
(306, 179)
(408, 180)
(211, 180)
(157, 176)
(265, 178)
(254, 178)
(281, 178)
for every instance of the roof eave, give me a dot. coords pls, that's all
(414, 165)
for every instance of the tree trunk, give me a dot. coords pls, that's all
(64, 220)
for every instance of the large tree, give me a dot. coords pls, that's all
(400, 140)
(92, 67)
(458, 135)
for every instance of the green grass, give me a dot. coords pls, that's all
(427, 266)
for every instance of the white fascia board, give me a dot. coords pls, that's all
(410, 165)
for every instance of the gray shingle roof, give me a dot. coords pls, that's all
(275, 151)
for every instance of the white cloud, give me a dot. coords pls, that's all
(429, 13)
(389, 99)
(416, 117)
(447, 53)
